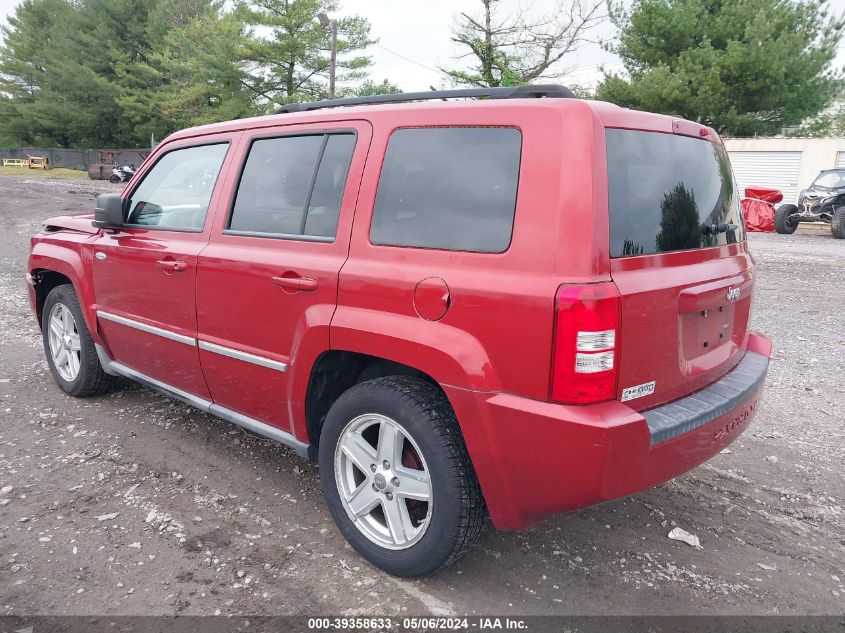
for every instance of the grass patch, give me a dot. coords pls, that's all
(57, 172)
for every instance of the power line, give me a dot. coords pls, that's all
(591, 68)
(408, 59)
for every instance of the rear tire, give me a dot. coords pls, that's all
(783, 225)
(352, 457)
(71, 354)
(837, 225)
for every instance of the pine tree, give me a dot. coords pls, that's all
(288, 51)
(25, 60)
(745, 68)
(193, 76)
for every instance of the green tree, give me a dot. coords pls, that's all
(101, 73)
(745, 68)
(25, 60)
(107, 40)
(194, 75)
(831, 122)
(370, 88)
(518, 48)
(287, 53)
(86, 49)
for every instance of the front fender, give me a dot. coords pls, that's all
(837, 202)
(66, 257)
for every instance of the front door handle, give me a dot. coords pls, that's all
(172, 265)
(305, 284)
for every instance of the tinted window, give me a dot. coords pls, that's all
(324, 205)
(448, 188)
(664, 189)
(175, 193)
(293, 185)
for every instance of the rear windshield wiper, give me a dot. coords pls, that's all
(715, 229)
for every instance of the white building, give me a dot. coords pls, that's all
(788, 164)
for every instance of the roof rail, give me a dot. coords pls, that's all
(550, 91)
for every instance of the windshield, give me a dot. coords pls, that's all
(665, 192)
(830, 179)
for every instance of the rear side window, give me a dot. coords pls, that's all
(665, 191)
(292, 186)
(448, 188)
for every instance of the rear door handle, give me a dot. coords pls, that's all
(172, 265)
(305, 284)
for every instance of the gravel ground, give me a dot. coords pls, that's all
(135, 504)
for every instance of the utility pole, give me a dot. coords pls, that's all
(326, 23)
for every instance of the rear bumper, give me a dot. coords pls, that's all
(534, 459)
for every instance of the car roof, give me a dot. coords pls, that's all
(610, 115)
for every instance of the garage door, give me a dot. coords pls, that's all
(778, 170)
(840, 160)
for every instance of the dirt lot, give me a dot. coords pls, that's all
(135, 504)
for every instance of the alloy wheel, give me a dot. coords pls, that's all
(383, 481)
(65, 344)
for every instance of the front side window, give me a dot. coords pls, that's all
(292, 186)
(450, 188)
(176, 192)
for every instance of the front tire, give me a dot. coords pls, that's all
(115, 179)
(837, 224)
(397, 477)
(68, 345)
(784, 224)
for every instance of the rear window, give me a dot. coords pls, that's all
(292, 186)
(448, 188)
(664, 189)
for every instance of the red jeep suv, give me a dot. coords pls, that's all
(509, 305)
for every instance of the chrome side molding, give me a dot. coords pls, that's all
(143, 327)
(189, 340)
(256, 426)
(244, 356)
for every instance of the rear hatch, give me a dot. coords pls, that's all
(679, 260)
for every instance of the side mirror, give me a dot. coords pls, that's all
(109, 211)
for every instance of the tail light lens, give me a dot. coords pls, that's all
(586, 350)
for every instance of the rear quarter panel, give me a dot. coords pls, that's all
(497, 332)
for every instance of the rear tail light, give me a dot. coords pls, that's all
(586, 347)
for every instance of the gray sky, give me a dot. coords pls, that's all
(421, 31)
(414, 39)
